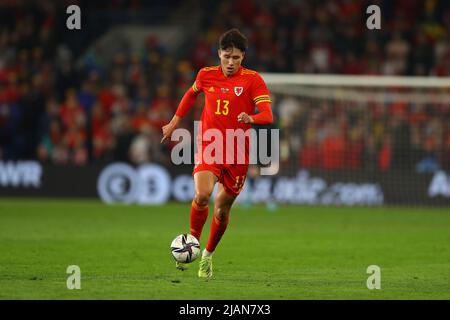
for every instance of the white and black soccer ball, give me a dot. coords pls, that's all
(185, 248)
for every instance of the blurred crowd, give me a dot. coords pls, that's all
(63, 112)
(331, 36)
(335, 134)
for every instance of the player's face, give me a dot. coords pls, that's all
(230, 60)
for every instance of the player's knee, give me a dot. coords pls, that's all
(201, 198)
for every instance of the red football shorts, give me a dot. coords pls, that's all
(231, 176)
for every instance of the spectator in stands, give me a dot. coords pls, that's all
(397, 51)
(123, 137)
(310, 153)
(385, 155)
(288, 109)
(446, 152)
(51, 138)
(370, 152)
(141, 147)
(71, 111)
(354, 148)
(103, 142)
(332, 148)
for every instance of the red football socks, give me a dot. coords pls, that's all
(198, 218)
(218, 228)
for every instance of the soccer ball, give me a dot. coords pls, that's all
(185, 248)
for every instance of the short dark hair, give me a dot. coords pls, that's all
(233, 38)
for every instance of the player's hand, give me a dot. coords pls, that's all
(169, 128)
(245, 118)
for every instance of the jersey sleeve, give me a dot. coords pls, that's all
(261, 99)
(197, 87)
(259, 92)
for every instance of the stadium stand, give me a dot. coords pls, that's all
(65, 106)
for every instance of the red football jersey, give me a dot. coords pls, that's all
(225, 98)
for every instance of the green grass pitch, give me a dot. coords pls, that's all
(292, 253)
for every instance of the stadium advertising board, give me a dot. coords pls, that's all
(33, 179)
(20, 174)
(153, 184)
(439, 185)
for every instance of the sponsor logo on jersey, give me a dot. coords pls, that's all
(238, 90)
(211, 89)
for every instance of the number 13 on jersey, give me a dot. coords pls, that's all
(222, 107)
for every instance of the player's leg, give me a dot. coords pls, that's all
(232, 182)
(204, 182)
(222, 206)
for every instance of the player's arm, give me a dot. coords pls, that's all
(261, 99)
(264, 116)
(186, 103)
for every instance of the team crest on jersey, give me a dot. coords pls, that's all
(238, 90)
